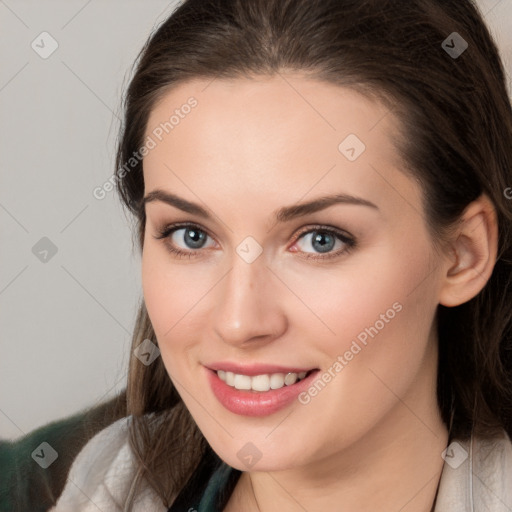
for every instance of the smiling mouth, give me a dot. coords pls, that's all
(263, 382)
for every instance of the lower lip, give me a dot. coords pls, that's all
(256, 403)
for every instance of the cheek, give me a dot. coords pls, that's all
(161, 295)
(382, 313)
(169, 289)
(375, 294)
(174, 294)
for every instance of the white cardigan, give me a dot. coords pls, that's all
(101, 476)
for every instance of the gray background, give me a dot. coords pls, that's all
(65, 324)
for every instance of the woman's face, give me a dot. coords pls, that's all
(304, 247)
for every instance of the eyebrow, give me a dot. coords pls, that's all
(284, 214)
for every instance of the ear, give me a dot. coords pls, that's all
(473, 253)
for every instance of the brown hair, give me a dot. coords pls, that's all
(456, 140)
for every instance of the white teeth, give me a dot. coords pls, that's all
(230, 378)
(263, 382)
(242, 381)
(260, 383)
(277, 380)
(291, 378)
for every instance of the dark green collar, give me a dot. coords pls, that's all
(209, 488)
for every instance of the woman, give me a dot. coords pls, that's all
(321, 195)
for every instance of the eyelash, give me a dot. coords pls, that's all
(349, 241)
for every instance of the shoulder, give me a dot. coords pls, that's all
(477, 475)
(492, 473)
(102, 475)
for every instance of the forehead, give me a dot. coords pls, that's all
(284, 134)
(261, 108)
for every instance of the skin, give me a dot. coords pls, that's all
(250, 147)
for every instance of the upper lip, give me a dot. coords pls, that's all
(255, 368)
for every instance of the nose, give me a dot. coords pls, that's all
(248, 311)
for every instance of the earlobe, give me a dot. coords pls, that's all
(473, 254)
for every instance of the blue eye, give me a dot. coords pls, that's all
(186, 240)
(194, 238)
(323, 241)
(190, 235)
